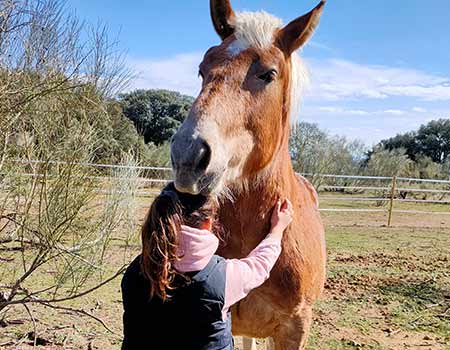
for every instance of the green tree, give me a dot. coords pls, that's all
(156, 114)
(433, 140)
(118, 136)
(406, 141)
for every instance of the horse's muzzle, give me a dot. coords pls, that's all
(190, 157)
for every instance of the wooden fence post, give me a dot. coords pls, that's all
(391, 201)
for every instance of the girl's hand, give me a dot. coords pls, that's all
(281, 217)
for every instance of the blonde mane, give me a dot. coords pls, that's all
(257, 29)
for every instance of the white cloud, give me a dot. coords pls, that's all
(359, 101)
(340, 110)
(319, 45)
(394, 111)
(357, 112)
(332, 79)
(178, 73)
(376, 126)
(335, 80)
(375, 113)
(330, 109)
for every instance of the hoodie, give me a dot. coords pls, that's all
(197, 247)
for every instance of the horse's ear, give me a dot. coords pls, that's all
(296, 33)
(222, 16)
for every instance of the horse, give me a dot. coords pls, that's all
(234, 145)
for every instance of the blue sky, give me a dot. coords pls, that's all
(378, 67)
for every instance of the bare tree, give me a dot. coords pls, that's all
(56, 212)
(315, 152)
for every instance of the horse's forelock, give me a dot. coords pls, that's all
(256, 29)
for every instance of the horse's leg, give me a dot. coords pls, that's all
(293, 333)
(248, 343)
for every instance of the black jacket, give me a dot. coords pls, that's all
(190, 320)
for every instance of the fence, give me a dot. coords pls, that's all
(384, 190)
(331, 188)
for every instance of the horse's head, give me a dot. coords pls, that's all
(241, 117)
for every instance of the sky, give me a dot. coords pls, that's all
(378, 67)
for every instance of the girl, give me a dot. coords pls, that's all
(177, 294)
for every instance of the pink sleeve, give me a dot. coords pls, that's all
(243, 275)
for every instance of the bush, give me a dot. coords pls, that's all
(390, 163)
(56, 115)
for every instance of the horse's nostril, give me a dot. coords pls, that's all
(204, 156)
(190, 156)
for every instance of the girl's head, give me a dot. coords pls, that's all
(160, 234)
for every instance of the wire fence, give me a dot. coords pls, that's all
(381, 193)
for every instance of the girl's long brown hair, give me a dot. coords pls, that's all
(168, 212)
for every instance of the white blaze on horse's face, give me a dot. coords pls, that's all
(250, 83)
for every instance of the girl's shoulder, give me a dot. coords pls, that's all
(215, 268)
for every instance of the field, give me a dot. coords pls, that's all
(387, 289)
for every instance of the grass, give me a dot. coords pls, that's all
(387, 289)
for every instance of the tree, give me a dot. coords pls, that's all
(314, 151)
(433, 140)
(118, 136)
(56, 86)
(406, 141)
(305, 143)
(156, 114)
(428, 148)
(427, 169)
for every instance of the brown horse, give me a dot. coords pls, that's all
(234, 144)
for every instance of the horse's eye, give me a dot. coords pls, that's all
(200, 74)
(268, 76)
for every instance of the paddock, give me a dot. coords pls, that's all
(387, 287)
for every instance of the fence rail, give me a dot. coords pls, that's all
(390, 192)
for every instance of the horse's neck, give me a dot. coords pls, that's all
(273, 182)
(247, 217)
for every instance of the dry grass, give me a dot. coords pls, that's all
(388, 288)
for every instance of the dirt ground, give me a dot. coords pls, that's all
(387, 289)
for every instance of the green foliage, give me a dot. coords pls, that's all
(406, 141)
(425, 168)
(389, 163)
(314, 151)
(432, 140)
(156, 114)
(117, 136)
(158, 156)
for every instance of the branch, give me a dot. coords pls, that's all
(6, 259)
(28, 298)
(34, 323)
(82, 312)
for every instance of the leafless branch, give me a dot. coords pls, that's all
(82, 312)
